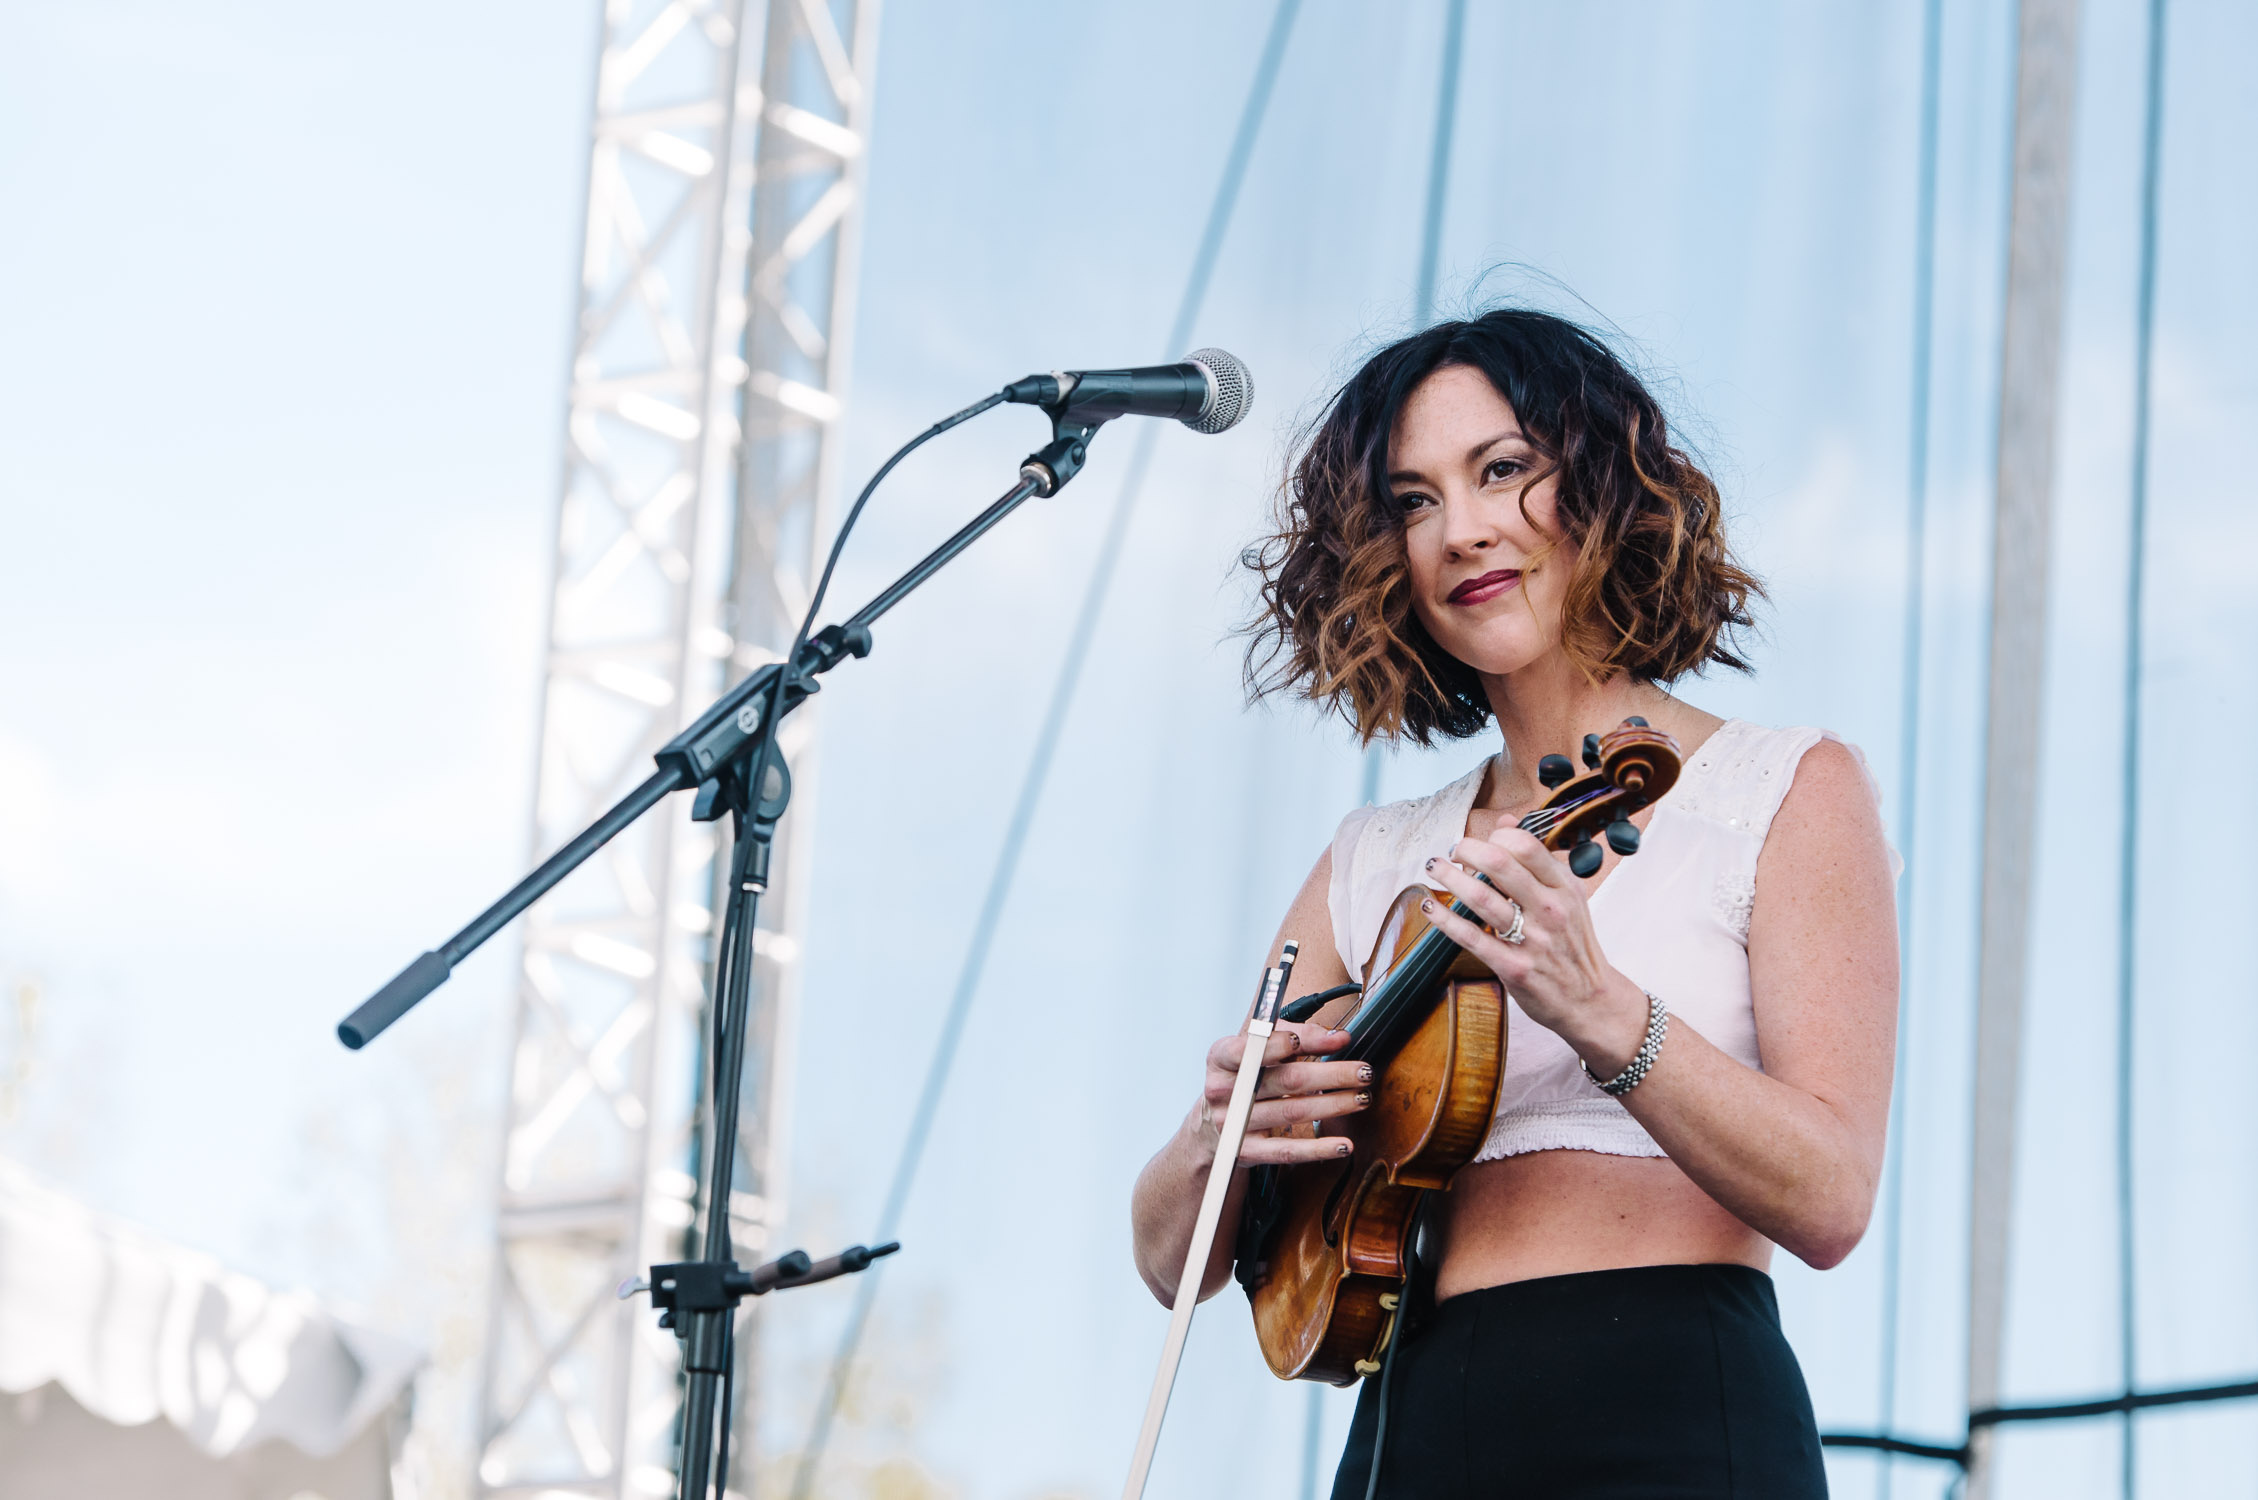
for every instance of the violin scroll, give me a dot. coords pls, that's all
(1631, 767)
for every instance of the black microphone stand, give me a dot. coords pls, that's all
(729, 756)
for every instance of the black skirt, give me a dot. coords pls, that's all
(1652, 1382)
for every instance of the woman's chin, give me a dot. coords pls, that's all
(1489, 656)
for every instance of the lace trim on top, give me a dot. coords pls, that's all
(1601, 1125)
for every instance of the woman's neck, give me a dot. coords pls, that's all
(1547, 708)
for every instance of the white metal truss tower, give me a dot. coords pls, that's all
(708, 365)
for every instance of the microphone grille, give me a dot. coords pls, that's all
(1233, 390)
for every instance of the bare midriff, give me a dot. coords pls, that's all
(1551, 1213)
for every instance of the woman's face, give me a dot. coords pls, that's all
(1486, 583)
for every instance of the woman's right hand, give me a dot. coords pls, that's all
(1298, 1087)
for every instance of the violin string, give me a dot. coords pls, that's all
(1545, 819)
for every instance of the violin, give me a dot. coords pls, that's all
(1324, 1248)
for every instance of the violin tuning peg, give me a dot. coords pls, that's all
(1554, 769)
(1591, 751)
(1635, 722)
(1584, 858)
(1623, 836)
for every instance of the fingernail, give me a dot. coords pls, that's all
(1362, 1100)
(1430, 864)
(1344, 1149)
(1427, 903)
(1364, 1073)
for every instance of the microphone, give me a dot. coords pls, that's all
(1207, 390)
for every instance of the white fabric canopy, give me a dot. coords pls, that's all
(131, 1329)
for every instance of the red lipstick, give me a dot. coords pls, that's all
(1486, 587)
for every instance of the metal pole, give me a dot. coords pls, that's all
(2030, 378)
(579, 1390)
(798, 288)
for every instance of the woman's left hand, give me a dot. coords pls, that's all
(1556, 972)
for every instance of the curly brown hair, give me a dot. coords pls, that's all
(1655, 591)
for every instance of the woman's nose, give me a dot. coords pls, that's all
(1468, 527)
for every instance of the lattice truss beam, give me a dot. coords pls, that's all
(708, 369)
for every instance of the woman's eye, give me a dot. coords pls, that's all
(1501, 469)
(1412, 503)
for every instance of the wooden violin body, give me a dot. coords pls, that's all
(1336, 1270)
(1325, 1248)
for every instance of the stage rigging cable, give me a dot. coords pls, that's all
(1909, 709)
(1430, 251)
(1046, 743)
(2128, 853)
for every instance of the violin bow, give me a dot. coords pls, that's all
(1260, 1025)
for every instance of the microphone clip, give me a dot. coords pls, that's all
(1060, 459)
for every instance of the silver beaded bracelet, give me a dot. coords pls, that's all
(1657, 1027)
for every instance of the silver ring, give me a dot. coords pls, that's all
(1514, 934)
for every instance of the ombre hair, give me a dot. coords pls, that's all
(1655, 591)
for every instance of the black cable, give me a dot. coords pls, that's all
(728, 1408)
(729, 957)
(1882, 1444)
(758, 777)
(1310, 1005)
(1414, 1297)
(738, 957)
(1380, 1427)
(2240, 1390)
(854, 512)
(759, 772)
(2060, 1411)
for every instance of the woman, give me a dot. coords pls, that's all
(1489, 525)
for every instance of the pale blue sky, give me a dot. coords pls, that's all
(286, 294)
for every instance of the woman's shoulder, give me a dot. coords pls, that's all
(1750, 776)
(1832, 788)
(1742, 771)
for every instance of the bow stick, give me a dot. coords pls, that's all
(1259, 1027)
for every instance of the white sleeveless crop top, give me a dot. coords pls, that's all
(1674, 918)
